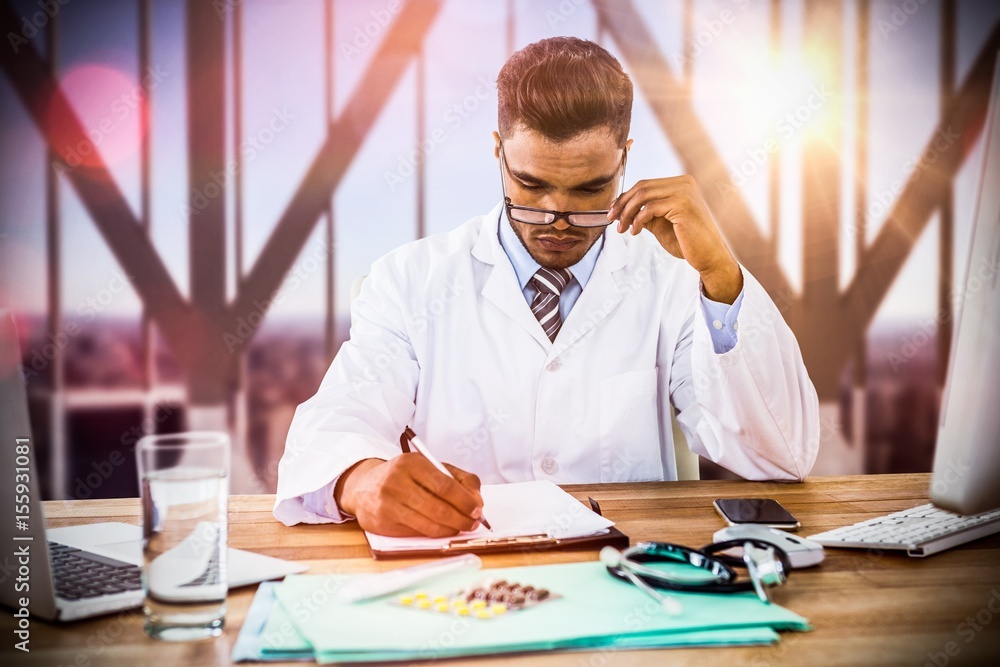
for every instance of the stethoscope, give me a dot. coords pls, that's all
(767, 567)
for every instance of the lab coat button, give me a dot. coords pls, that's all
(554, 365)
(549, 466)
(717, 324)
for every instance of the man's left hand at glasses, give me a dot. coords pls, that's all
(675, 212)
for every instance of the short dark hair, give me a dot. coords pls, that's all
(562, 86)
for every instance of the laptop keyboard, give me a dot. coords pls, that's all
(80, 574)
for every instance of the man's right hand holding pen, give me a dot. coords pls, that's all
(407, 496)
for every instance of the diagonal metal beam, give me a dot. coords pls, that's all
(671, 105)
(399, 47)
(59, 125)
(928, 186)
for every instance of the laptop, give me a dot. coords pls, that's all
(77, 571)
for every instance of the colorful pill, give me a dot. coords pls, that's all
(406, 599)
(424, 604)
(483, 613)
(498, 608)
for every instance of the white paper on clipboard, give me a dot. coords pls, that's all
(514, 510)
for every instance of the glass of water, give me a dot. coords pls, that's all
(185, 487)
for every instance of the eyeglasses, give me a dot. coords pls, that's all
(542, 216)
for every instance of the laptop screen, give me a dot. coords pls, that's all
(27, 559)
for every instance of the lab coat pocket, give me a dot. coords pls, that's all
(629, 428)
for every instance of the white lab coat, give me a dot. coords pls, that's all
(443, 339)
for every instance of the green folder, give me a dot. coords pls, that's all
(280, 640)
(595, 612)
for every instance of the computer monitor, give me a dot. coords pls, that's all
(966, 475)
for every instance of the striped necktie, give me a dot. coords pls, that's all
(545, 305)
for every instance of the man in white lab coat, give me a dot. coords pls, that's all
(539, 342)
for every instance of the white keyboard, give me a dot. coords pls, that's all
(920, 531)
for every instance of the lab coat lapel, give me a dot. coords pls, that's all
(601, 295)
(501, 288)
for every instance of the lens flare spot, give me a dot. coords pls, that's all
(109, 106)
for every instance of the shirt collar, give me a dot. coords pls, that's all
(525, 265)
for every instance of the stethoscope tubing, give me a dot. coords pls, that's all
(725, 580)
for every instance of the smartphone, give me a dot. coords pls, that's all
(761, 511)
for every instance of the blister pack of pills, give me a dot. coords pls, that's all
(486, 599)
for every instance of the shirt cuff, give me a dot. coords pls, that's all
(321, 503)
(721, 319)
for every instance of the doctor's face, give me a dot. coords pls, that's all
(579, 174)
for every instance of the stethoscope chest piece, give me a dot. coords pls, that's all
(765, 570)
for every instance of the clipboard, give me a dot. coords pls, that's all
(515, 509)
(524, 543)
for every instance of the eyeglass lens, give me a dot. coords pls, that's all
(530, 217)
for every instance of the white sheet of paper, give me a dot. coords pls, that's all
(521, 508)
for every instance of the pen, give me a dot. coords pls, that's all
(422, 448)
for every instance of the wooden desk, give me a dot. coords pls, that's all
(867, 608)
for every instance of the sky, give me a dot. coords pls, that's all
(739, 100)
